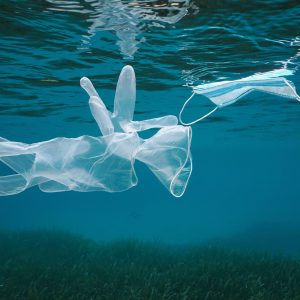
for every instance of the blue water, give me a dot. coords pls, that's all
(246, 158)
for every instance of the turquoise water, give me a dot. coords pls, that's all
(245, 183)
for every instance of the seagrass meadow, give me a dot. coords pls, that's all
(59, 265)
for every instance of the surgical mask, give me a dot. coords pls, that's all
(224, 93)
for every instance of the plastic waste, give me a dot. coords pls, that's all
(104, 163)
(224, 93)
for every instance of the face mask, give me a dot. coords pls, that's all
(224, 93)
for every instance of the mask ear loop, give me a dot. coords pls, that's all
(197, 120)
(293, 89)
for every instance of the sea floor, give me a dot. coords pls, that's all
(58, 265)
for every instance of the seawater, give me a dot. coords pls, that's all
(245, 180)
(242, 204)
